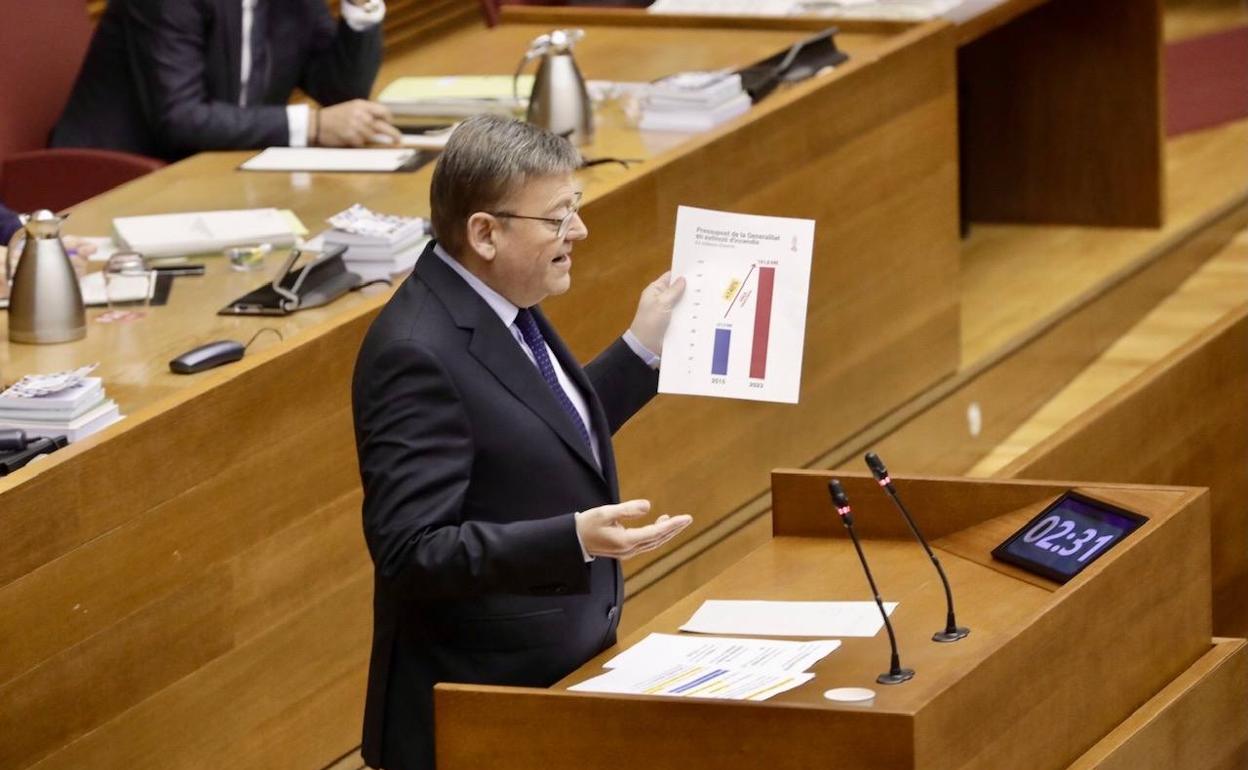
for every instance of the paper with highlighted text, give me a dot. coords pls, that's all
(739, 330)
(709, 667)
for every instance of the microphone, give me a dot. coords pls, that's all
(953, 632)
(895, 674)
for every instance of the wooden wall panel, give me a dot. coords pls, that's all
(1180, 422)
(116, 573)
(166, 572)
(288, 699)
(217, 612)
(1009, 388)
(84, 685)
(1053, 129)
(1198, 722)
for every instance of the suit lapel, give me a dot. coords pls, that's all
(494, 347)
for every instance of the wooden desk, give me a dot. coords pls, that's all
(1045, 674)
(190, 586)
(1059, 104)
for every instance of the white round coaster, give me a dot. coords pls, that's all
(850, 694)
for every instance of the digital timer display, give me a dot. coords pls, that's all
(1067, 536)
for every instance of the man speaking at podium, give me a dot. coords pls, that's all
(491, 506)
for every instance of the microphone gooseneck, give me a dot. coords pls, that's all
(952, 632)
(895, 674)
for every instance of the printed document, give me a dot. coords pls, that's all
(710, 667)
(694, 681)
(740, 328)
(762, 618)
(774, 655)
(203, 232)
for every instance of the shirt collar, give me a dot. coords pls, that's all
(506, 311)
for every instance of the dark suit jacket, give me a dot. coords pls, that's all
(161, 77)
(471, 477)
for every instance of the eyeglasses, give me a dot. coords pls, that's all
(562, 225)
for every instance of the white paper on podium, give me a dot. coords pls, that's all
(741, 326)
(763, 618)
(693, 681)
(774, 655)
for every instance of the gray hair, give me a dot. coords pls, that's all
(486, 159)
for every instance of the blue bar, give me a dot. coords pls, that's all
(700, 680)
(719, 363)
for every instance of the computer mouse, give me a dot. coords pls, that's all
(207, 356)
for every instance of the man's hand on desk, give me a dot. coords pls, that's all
(355, 124)
(602, 532)
(654, 311)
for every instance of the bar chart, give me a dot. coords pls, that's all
(739, 330)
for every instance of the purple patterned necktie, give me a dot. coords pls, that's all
(527, 325)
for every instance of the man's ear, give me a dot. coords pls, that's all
(483, 235)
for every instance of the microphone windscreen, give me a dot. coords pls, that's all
(838, 494)
(876, 465)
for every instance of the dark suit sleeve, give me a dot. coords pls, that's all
(415, 449)
(622, 381)
(343, 63)
(9, 224)
(186, 119)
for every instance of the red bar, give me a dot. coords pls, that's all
(762, 322)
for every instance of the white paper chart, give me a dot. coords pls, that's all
(739, 330)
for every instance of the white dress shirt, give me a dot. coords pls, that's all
(358, 18)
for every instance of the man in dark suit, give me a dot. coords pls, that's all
(169, 78)
(491, 507)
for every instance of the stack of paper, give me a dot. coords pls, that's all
(330, 159)
(379, 246)
(457, 96)
(693, 101)
(203, 232)
(710, 667)
(74, 412)
(888, 10)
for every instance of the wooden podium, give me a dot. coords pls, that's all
(1116, 668)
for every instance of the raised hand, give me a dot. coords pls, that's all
(603, 533)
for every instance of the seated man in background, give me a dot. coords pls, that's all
(491, 506)
(169, 78)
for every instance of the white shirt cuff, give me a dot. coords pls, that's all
(584, 554)
(297, 117)
(641, 350)
(362, 18)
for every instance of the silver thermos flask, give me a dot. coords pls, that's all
(45, 302)
(559, 101)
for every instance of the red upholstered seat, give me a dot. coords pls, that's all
(42, 45)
